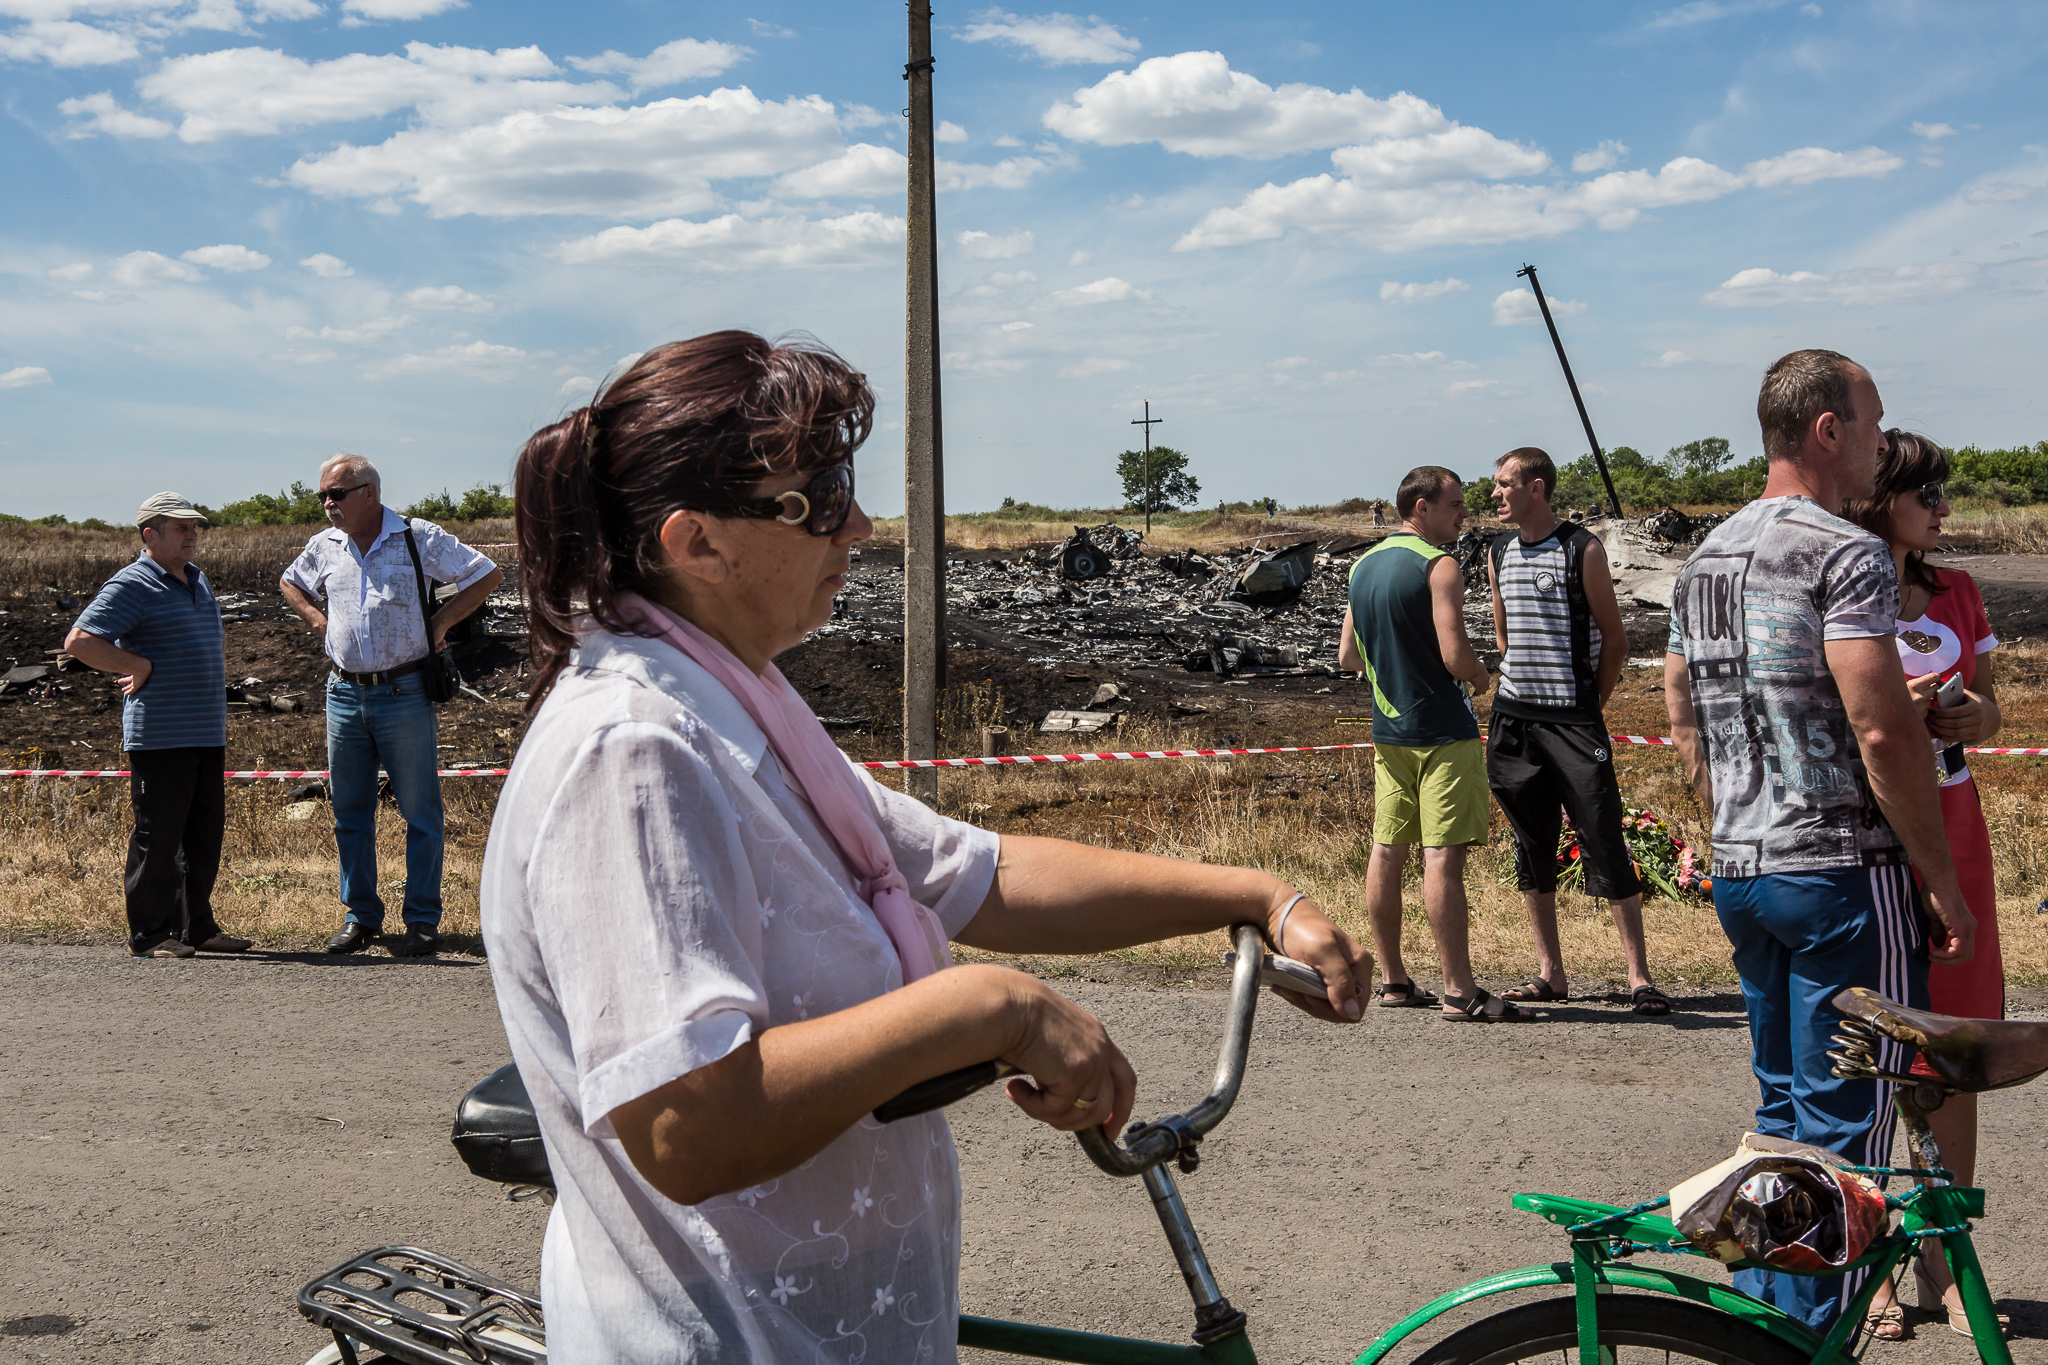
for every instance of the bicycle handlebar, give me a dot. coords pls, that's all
(1145, 1145)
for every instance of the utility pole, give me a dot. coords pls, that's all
(1148, 423)
(924, 498)
(1599, 460)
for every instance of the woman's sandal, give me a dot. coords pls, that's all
(1537, 991)
(1652, 1003)
(1934, 1302)
(1887, 1323)
(1405, 995)
(1473, 1011)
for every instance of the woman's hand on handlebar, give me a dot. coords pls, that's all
(1074, 1076)
(1313, 939)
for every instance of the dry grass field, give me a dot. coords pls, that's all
(1306, 817)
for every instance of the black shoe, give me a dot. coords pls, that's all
(353, 938)
(417, 942)
(163, 947)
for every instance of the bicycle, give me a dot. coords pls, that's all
(374, 1301)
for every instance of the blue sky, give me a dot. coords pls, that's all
(243, 234)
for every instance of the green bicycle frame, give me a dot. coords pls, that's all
(1594, 1271)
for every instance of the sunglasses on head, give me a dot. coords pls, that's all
(820, 506)
(1930, 495)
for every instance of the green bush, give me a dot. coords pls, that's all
(484, 502)
(298, 505)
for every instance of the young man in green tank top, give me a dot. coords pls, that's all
(1405, 630)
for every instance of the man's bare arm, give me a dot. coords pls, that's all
(1348, 656)
(307, 609)
(1685, 730)
(1447, 604)
(1500, 612)
(1891, 735)
(1598, 580)
(99, 653)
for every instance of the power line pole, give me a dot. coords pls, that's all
(924, 499)
(1599, 460)
(1148, 423)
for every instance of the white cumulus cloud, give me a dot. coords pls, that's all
(949, 131)
(353, 333)
(1809, 164)
(1394, 292)
(685, 59)
(637, 162)
(24, 376)
(478, 359)
(1609, 153)
(1669, 359)
(104, 114)
(328, 267)
(862, 171)
(246, 91)
(1762, 287)
(986, 246)
(1193, 102)
(1109, 289)
(385, 11)
(63, 42)
(1933, 132)
(447, 298)
(730, 242)
(1519, 305)
(229, 257)
(139, 269)
(1055, 39)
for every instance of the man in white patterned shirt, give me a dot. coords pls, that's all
(368, 567)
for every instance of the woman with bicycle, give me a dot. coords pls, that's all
(1944, 637)
(717, 946)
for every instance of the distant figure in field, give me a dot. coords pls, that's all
(1379, 512)
(1405, 630)
(1271, 508)
(368, 566)
(1562, 647)
(156, 623)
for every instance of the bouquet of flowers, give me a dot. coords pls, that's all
(1666, 864)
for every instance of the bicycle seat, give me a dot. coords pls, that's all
(497, 1134)
(1969, 1054)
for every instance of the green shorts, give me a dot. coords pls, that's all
(1434, 796)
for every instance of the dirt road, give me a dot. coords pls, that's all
(183, 1143)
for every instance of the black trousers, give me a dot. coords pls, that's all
(1541, 771)
(181, 814)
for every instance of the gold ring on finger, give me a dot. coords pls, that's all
(1088, 1103)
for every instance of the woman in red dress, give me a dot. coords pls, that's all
(1943, 632)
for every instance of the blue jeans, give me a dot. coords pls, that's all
(1800, 939)
(392, 726)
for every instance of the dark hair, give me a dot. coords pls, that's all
(1796, 390)
(692, 425)
(155, 523)
(1909, 460)
(1422, 482)
(1532, 463)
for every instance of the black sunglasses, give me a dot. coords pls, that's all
(1930, 495)
(339, 494)
(822, 505)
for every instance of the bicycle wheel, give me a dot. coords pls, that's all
(1656, 1327)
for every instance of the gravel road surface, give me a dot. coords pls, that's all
(182, 1144)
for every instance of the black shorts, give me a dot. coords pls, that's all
(1540, 771)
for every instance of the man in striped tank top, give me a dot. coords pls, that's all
(1562, 650)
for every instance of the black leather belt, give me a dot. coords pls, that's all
(379, 679)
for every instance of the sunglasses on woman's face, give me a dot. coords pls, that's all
(1930, 495)
(820, 506)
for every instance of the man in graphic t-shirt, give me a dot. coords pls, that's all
(1562, 645)
(1792, 719)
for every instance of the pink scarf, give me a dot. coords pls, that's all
(822, 777)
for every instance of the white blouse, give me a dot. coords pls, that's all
(654, 896)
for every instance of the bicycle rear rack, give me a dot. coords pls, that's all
(424, 1309)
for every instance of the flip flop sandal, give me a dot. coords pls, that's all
(1405, 995)
(1473, 1011)
(1650, 1002)
(1537, 991)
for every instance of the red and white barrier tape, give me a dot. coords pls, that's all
(895, 764)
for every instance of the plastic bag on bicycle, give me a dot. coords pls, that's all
(1784, 1204)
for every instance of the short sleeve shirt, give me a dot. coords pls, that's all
(1752, 612)
(374, 621)
(654, 896)
(176, 626)
(1948, 637)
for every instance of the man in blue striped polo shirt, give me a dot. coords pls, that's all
(1563, 646)
(156, 624)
